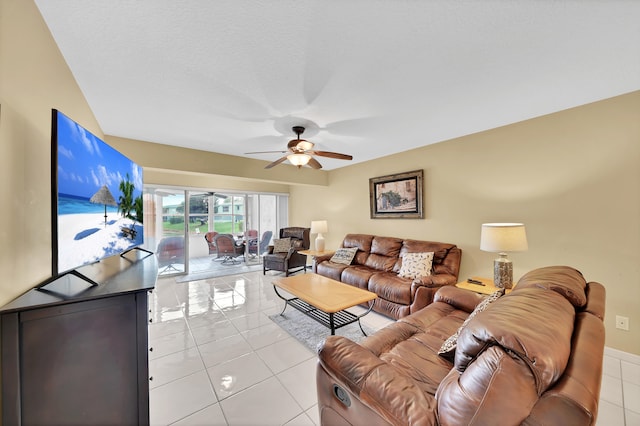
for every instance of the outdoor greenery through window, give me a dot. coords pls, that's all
(191, 214)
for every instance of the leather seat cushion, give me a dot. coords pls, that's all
(389, 286)
(331, 269)
(403, 345)
(357, 276)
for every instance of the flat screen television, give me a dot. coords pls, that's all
(96, 199)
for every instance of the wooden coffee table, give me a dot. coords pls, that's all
(323, 299)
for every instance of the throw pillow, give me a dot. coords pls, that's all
(281, 245)
(448, 348)
(344, 255)
(416, 265)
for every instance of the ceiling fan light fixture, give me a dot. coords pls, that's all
(304, 145)
(298, 160)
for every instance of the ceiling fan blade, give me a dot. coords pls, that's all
(313, 163)
(275, 163)
(357, 126)
(331, 155)
(265, 152)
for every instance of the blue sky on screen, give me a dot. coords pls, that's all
(85, 163)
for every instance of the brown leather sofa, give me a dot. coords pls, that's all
(375, 268)
(533, 357)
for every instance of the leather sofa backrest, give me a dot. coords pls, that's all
(442, 263)
(385, 253)
(362, 242)
(562, 279)
(299, 237)
(516, 354)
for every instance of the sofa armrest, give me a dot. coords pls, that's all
(424, 295)
(322, 258)
(319, 259)
(464, 300)
(436, 280)
(395, 396)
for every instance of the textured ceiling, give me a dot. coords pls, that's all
(368, 78)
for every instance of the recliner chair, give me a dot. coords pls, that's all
(290, 261)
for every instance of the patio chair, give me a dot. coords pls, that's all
(227, 249)
(170, 252)
(258, 248)
(209, 236)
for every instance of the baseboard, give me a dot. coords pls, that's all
(625, 356)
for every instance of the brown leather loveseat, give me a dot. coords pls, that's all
(376, 265)
(533, 357)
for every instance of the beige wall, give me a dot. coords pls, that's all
(33, 79)
(573, 178)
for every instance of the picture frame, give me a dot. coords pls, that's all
(397, 196)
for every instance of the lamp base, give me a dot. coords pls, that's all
(503, 272)
(319, 243)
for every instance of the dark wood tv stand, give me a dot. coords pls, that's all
(76, 353)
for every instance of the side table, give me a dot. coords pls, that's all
(486, 288)
(316, 253)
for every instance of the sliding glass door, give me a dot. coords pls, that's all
(165, 230)
(195, 216)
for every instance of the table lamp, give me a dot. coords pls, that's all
(502, 238)
(318, 227)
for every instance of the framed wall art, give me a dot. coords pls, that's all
(396, 196)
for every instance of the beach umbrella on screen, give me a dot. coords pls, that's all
(103, 196)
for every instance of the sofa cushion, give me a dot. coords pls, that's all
(406, 344)
(380, 262)
(361, 241)
(416, 265)
(389, 286)
(386, 246)
(357, 276)
(440, 250)
(542, 341)
(449, 346)
(344, 255)
(281, 245)
(562, 279)
(331, 269)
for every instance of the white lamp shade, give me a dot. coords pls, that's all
(503, 237)
(298, 159)
(319, 226)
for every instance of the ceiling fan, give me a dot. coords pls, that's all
(300, 152)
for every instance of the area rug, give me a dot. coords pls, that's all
(310, 332)
(219, 271)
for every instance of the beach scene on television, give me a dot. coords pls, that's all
(99, 198)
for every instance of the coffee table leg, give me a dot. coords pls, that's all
(360, 316)
(286, 301)
(332, 324)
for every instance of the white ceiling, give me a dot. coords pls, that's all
(367, 77)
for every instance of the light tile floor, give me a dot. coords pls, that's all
(217, 359)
